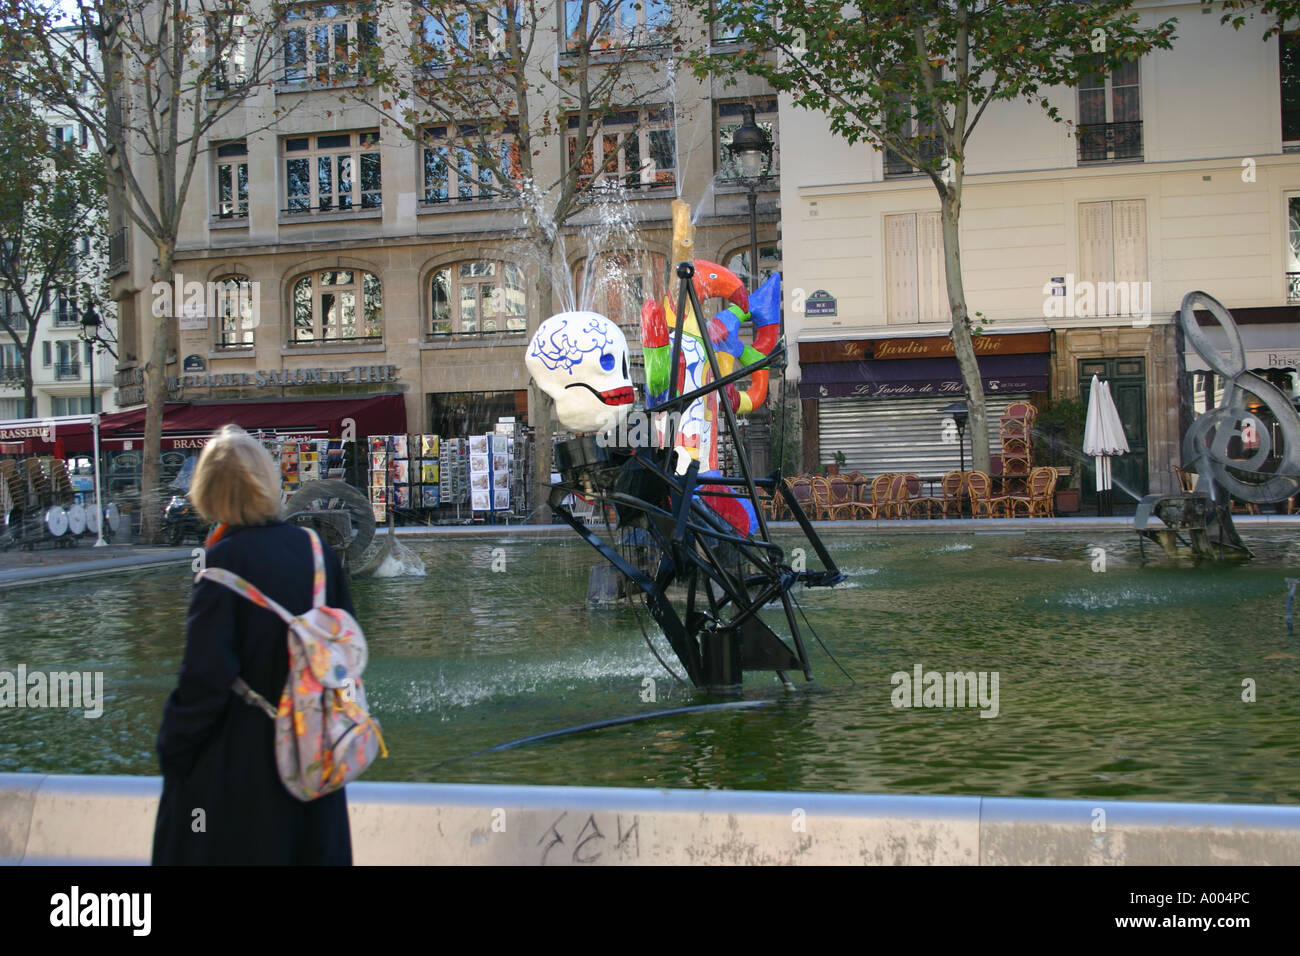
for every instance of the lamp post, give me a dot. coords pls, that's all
(751, 147)
(958, 412)
(90, 335)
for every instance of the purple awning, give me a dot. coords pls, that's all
(920, 378)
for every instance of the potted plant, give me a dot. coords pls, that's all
(1057, 441)
(834, 467)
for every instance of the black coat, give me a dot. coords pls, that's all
(217, 752)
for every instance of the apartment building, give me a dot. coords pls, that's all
(1179, 172)
(62, 362)
(344, 259)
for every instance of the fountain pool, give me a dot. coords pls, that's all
(1126, 683)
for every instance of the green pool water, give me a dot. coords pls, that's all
(1126, 683)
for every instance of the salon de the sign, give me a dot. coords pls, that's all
(280, 377)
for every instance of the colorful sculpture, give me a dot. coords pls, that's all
(697, 433)
(580, 360)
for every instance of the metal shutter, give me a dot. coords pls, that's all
(902, 434)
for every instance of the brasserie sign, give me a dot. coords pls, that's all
(282, 377)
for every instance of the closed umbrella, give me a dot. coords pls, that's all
(1103, 438)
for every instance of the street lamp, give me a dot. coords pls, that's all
(751, 147)
(90, 335)
(958, 412)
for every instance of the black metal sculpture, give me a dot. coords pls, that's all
(703, 581)
(1204, 514)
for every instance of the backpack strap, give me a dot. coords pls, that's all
(318, 562)
(241, 587)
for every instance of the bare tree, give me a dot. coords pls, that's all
(505, 100)
(159, 75)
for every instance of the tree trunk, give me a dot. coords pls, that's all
(29, 390)
(155, 384)
(963, 347)
(541, 402)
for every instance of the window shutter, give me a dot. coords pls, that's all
(901, 271)
(1096, 248)
(933, 291)
(1130, 222)
(45, 353)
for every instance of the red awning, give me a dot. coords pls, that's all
(189, 425)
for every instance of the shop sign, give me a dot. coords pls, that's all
(281, 377)
(929, 346)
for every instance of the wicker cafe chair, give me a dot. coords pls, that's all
(821, 492)
(801, 488)
(859, 482)
(983, 503)
(1037, 499)
(918, 505)
(843, 500)
(879, 492)
(894, 501)
(948, 502)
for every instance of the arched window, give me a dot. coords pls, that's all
(337, 305)
(769, 261)
(617, 287)
(469, 298)
(236, 312)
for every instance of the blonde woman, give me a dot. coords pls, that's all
(222, 799)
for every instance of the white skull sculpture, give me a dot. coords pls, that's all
(580, 360)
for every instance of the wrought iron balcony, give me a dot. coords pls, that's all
(1110, 142)
(68, 372)
(117, 253)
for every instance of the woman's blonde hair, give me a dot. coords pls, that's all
(236, 481)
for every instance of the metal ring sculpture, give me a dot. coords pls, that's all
(1206, 443)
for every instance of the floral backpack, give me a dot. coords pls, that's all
(324, 738)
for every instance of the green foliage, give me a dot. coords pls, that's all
(1058, 434)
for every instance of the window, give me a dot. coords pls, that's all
(65, 310)
(62, 135)
(236, 317)
(332, 172)
(454, 172)
(11, 364)
(227, 51)
(68, 365)
(338, 305)
(480, 296)
(46, 351)
(769, 262)
(1289, 72)
(1293, 249)
(74, 405)
(617, 24)
(1110, 116)
(728, 115)
(1113, 254)
(914, 274)
(618, 286)
(927, 140)
(232, 181)
(635, 148)
(478, 30)
(323, 40)
(722, 33)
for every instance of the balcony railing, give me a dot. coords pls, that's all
(68, 372)
(1293, 286)
(10, 375)
(66, 318)
(117, 253)
(1110, 142)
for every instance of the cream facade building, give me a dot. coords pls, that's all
(340, 258)
(1180, 174)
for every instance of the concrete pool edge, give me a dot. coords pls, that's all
(63, 819)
